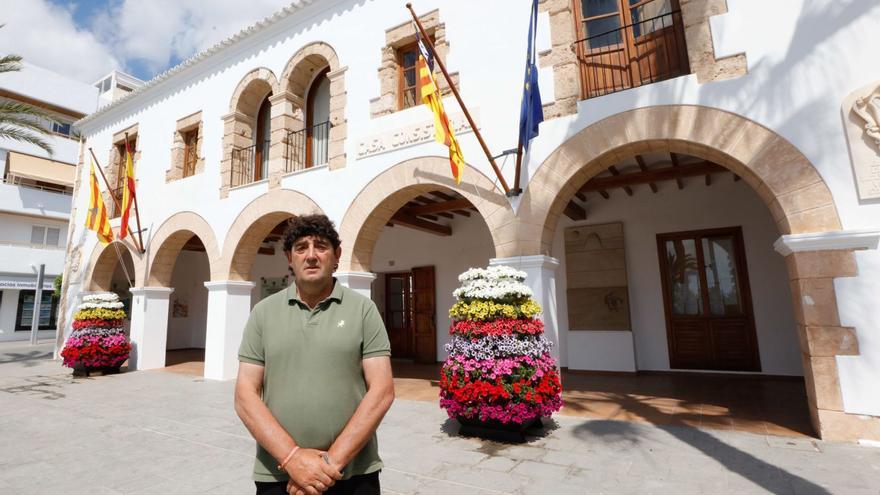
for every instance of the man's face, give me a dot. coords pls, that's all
(312, 259)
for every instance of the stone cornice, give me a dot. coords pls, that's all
(826, 241)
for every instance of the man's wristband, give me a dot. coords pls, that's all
(288, 458)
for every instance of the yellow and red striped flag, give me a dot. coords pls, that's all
(442, 130)
(127, 192)
(96, 218)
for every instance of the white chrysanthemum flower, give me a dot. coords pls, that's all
(108, 297)
(101, 305)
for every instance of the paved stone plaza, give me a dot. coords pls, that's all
(157, 432)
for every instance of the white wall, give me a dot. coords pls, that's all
(469, 246)
(17, 228)
(191, 271)
(644, 215)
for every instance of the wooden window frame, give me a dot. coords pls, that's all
(401, 79)
(190, 156)
(742, 276)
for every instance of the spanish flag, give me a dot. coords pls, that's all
(431, 97)
(127, 192)
(96, 218)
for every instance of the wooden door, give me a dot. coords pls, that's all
(424, 315)
(627, 43)
(398, 313)
(605, 64)
(656, 47)
(261, 140)
(709, 320)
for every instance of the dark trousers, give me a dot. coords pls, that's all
(364, 484)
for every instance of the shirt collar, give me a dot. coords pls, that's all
(335, 295)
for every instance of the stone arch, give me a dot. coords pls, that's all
(796, 195)
(290, 97)
(252, 225)
(168, 241)
(251, 90)
(387, 192)
(783, 177)
(102, 264)
(296, 75)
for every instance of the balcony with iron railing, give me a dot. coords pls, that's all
(307, 147)
(634, 55)
(249, 164)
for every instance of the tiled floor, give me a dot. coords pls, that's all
(764, 405)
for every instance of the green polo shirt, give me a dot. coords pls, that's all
(313, 380)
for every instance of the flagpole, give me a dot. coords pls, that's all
(519, 155)
(137, 212)
(107, 183)
(467, 114)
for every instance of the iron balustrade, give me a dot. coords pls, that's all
(243, 169)
(307, 147)
(640, 53)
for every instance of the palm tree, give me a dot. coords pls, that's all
(20, 121)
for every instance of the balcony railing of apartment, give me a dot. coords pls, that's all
(640, 53)
(307, 147)
(249, 164)
(14, 181)
(190, 157)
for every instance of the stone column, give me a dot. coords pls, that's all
(238, 130)
(229, 305)
(338, 125)
(284, 119)
(541, 278)
(149, 327)
(358, 281)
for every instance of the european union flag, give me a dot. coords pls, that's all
(531, 112)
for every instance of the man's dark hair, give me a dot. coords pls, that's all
(306, 225)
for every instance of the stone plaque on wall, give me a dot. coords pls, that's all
(861, 117)
(595, 268)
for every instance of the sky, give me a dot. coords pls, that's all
(86, 39)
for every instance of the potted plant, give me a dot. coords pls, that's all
(98, 342)
(500, 377)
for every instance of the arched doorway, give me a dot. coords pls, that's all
(181, 253)
(714, 149)
(318, 119)
(417, 239)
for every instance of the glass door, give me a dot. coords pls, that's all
(707, 300)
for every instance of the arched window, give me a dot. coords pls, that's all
(318, 119)
(261, 140)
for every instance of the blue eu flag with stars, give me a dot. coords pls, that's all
(531, 112)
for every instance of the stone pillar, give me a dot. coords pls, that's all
(358, 281)
(338, 125)
(238, 132)
(229, 305)
(149, 327)
(541, 278)
(284, 119)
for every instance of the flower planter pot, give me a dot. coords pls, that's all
(496, 430)
(80, 369)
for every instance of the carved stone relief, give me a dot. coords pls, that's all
(861, 116)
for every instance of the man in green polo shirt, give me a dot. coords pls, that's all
(314, 378)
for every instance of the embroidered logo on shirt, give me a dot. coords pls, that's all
(340, 324)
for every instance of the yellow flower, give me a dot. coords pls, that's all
(99, 314)
(482, 310)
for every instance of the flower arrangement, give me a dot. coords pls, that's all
(97, 340)
(499, 366)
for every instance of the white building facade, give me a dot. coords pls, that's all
(35, 198)
(703, 194)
